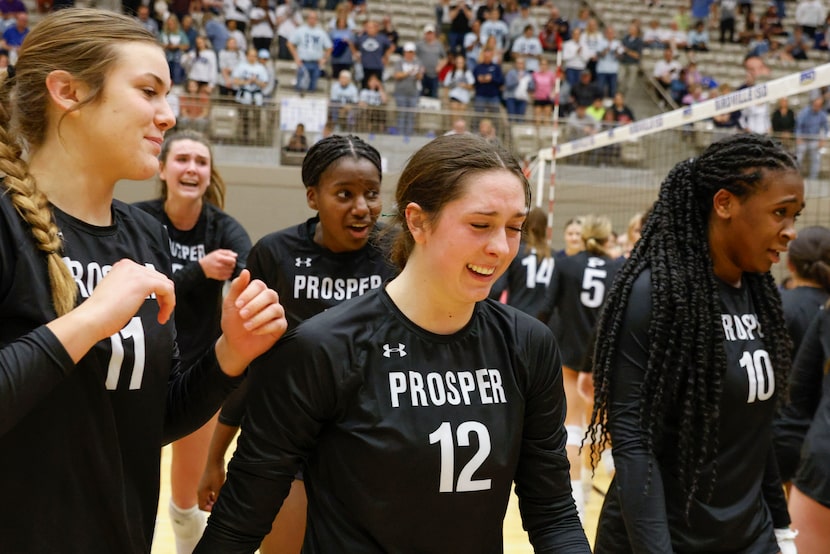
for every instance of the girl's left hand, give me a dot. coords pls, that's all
(252, 321)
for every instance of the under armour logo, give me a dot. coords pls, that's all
(302, 262)
(400, 350)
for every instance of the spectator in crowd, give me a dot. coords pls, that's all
(698, 37)
(460, 15)
(585, 91)
(143, 16)
(374, 49)
(484, 8)
(591, 40)
(630, 58)
(229, 59)
(528, 47)
(239, 11)
(544, 82)
(682, 18)
(343, 97)
(596, 110)
(810, 133)
(488, 82)
(550, 38)
(430, 52)
(194, 108)
(656, 36)
(574, 57)
(473, 43)
(487, 131)
(264, 57)
(408, 73)
(372, 106)
(459, 127)
(175, 45)
(234, 32)
(809, 16)
(676, 39)
(492, 44)
(298, 142)
(310, 46)
(726, 18)
(215, 31)
(797, 45)
(518, 88)
(388, 29)
(582, 17)
(201, 64)
(700, 11)
(580, 124)
(771, 23)
(696, 93)
(190, 29)
(666, 69)
(519, 24)
(10, 8)
(14, 35)
(249, 79)
(619, 113)
(494, 26)
(608, 62)
(343, 42)
(783, 122)
(459, 83)
(343, 11)
(289, 19)
(263, 25)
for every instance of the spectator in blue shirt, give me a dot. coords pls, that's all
(13, 36)
(810, 131)
(488, 82)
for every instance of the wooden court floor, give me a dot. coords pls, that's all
(515, 538)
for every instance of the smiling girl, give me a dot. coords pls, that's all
(415, 408)
(692, 352)
(315, 265)
(208, 248)
(90, 385)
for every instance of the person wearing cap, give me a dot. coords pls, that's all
(310, 46)
(408, 74)
(264, 57)
(430, 52)
(373, 51)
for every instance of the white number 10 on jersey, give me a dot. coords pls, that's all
(443, 435)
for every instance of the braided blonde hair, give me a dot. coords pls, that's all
(81, 42)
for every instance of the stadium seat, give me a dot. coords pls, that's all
(525, 140)
(224, 122)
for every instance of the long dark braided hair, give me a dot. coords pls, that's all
(683, 378)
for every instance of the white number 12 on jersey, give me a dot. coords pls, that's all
(443, 436)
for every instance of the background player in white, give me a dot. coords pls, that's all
(416, 406)
(208, 247)
(89, 380)
(307, 264)
(691, 353)
(571, 308)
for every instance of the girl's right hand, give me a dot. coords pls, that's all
(113, 302)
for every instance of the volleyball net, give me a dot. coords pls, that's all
(617, 172)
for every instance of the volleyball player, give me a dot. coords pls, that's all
(208, 247)
(571, 308)
(417, 406)
(809, 501)
(528, 276)
(808, 259)
(573, 238)
(90, 384)
(691, 354)
(313, 266)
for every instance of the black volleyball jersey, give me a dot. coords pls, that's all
(573, 302)
(737, 518)
(410, 441)
(80, 444)
(526, 280)
(800, 306)
(199, 298)
(310, 278)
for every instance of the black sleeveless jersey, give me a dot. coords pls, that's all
(80, 445)
(410, 441)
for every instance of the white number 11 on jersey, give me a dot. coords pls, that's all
(133, 330)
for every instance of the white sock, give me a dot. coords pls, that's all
(579, 498)
(587, 482)
(608, 461)
(188, 526)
